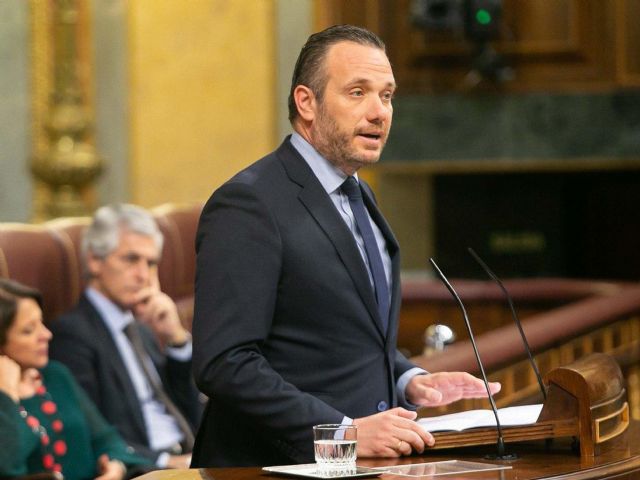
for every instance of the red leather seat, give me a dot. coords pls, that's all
(40, 257)
(177, 268)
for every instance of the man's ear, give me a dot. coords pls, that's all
(94, 265)
(305, 102)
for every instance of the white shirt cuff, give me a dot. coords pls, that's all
(182, 354)
(162, 460)
(402, 383)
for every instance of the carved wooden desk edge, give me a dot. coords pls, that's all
(586, 400)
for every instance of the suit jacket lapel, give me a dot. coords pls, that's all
(320, 206)
(106, 342)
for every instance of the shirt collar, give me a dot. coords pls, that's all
(115, 318)
(330, 177)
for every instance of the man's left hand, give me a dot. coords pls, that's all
(442, 388)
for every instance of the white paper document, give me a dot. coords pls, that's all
(509, 417)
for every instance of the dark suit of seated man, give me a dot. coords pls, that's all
(122, 309)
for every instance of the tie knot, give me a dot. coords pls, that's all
(351, 189)
(130, 329)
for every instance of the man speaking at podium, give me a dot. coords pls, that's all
(298, 282)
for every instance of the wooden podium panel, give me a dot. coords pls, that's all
(536, 460)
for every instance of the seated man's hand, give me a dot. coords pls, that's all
(391, 434)
(158, 311)
(442, 388)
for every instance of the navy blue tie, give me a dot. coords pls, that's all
(351, 189)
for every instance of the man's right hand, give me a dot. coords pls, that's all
(391, 434)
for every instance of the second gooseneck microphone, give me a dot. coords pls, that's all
(501, 455)
(515, 318)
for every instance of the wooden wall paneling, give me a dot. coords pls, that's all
(560, 45)
(423, 62)
(628, 42)
(364, 13)
(554, 45)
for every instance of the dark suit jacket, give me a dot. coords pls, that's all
(286, 330)
(82, 341)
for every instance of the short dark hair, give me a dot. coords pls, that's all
(10, 292)
(309, 69)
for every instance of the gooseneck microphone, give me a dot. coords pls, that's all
(515, 318)
(500, 444)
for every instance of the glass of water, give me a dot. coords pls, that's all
(335, 448)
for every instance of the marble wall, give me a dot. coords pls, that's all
(516, 127)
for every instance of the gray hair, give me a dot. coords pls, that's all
(103, 235)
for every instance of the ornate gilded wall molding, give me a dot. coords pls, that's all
(64, 163)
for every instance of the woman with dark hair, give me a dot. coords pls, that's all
(47, 423)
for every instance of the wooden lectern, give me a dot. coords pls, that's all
(585, 400)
